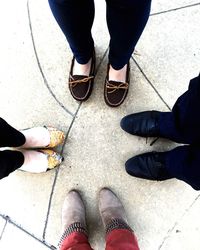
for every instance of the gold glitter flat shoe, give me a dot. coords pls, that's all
(34, 163)
(57, 137)
(54, 159)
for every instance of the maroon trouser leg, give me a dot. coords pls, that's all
(118, 239)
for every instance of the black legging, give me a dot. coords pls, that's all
(126, 20)
(10, 160)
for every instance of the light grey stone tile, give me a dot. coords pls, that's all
(185, 235)
(24, 198)
(14, 238)
(94, 157)
(25, 102)
(169, 51)
(164, 5)
(53, 50)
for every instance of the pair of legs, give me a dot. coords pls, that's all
(126, 20)
(119, 236)
(182, 126)
(28, 160)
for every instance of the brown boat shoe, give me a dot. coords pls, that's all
(81, 86)
(115, 92)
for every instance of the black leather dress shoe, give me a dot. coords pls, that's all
(142, 124)
(149, 166)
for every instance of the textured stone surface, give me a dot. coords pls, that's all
(169, 51)
(14, 238)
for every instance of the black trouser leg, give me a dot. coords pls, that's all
(10, 160)
(9, 136)
(183, 123)
(126, 20)
(184, 164)
(75, 18)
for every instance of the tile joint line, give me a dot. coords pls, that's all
(175, 9)
(145, 76)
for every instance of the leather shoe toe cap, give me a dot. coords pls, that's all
(149, 166)
(141, 124)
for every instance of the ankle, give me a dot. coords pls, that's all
(117, 75)
(116, 224)
(82, 69)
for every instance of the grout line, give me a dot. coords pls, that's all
(39, 65)
(49, 204)
(176, 223)
(3, 229)
(145, 76)
(56, 175)
(57, 170)
(8, 220)
(175, 9)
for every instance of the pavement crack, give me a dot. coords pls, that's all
(175, 9)
(176, 223)
(39, 64)
(145, 76)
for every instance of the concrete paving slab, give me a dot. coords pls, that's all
(164, 5)
(24, 198)
(14, 238)
(169, 51)
(25, 102)
(94, 157)
(185, 234)
(55, 59)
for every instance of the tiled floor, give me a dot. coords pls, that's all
(35, 60)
